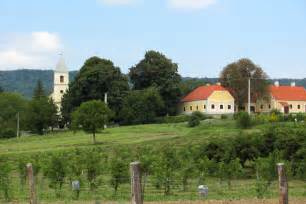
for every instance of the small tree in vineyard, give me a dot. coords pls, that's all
(91, 116)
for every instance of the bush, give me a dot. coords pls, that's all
(224, 117)
(195, 119)
(173, 119)
(244, 120)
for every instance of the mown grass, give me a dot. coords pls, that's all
(179, 134)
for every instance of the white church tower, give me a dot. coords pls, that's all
(61, 82)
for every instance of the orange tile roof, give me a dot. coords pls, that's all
(288, 93)
(202, 93)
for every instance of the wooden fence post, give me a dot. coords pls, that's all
(283, 184)
(135, 183)
(33, 199)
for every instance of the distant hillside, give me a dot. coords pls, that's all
(23, 81)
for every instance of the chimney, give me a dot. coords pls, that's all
(276, 83)
(218, 83)
(293, 84)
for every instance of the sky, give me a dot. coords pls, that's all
(202, 36)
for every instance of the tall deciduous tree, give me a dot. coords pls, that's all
(141, 106)
(91, 116)
(96, 77)
(235, 76)
(41, 112)
(11, 104)
(156, 70)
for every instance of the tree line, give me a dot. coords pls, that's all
(152, 89)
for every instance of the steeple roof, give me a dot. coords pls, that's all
(61, 65)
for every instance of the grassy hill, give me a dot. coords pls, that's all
(177, 134)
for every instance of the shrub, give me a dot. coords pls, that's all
(224, 117)
(174, 119)
(300, 117)
(195, 119)
(244, 120)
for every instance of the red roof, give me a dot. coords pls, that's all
(202, 93)
(288, 93)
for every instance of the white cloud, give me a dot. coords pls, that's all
(117, 2)
(190, 4)
(31, 50)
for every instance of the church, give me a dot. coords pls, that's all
(61, 82)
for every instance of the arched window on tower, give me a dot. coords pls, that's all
(62, 79)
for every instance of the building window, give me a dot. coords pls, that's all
(269, 106)
(229, 107)
(190, 108)
(204, 106)
(184, 109)
(197, 107)
(61, 91)
(221, 107)
(62, 79)
(299, 106)
(290, 106)
(212, 106)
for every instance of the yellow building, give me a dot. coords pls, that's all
(286, 99)
(209, 99)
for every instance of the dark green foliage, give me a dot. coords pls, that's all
(91, 116)
(142, 106)
(224, 117)
(165, 168)
(188, 84)
(10, 105)
(195, 119)
(5, 178)
(173, 119)
(119, 172)
(156, 70)
(56, 172)
(230, 170)
(235, 77)
(93, 166)
(23, 81)
(1, 90)
(244, 120)
(41, 112)
(96, 77)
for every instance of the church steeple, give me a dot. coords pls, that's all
(61, 65)
(61, 81)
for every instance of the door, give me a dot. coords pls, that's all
(286, 109)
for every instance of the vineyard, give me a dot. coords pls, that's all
(236, 164)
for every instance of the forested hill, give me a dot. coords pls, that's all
(23, 81)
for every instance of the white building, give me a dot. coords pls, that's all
(61, 82)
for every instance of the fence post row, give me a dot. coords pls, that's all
(136, 197)
(33, 199)
(283, 184)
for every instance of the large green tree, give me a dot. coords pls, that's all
(156, 70)
(141, 106)
(11, 104)
(41, 111)
(1, 90)
(96, 77)
(235, 77)
(91, 116)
